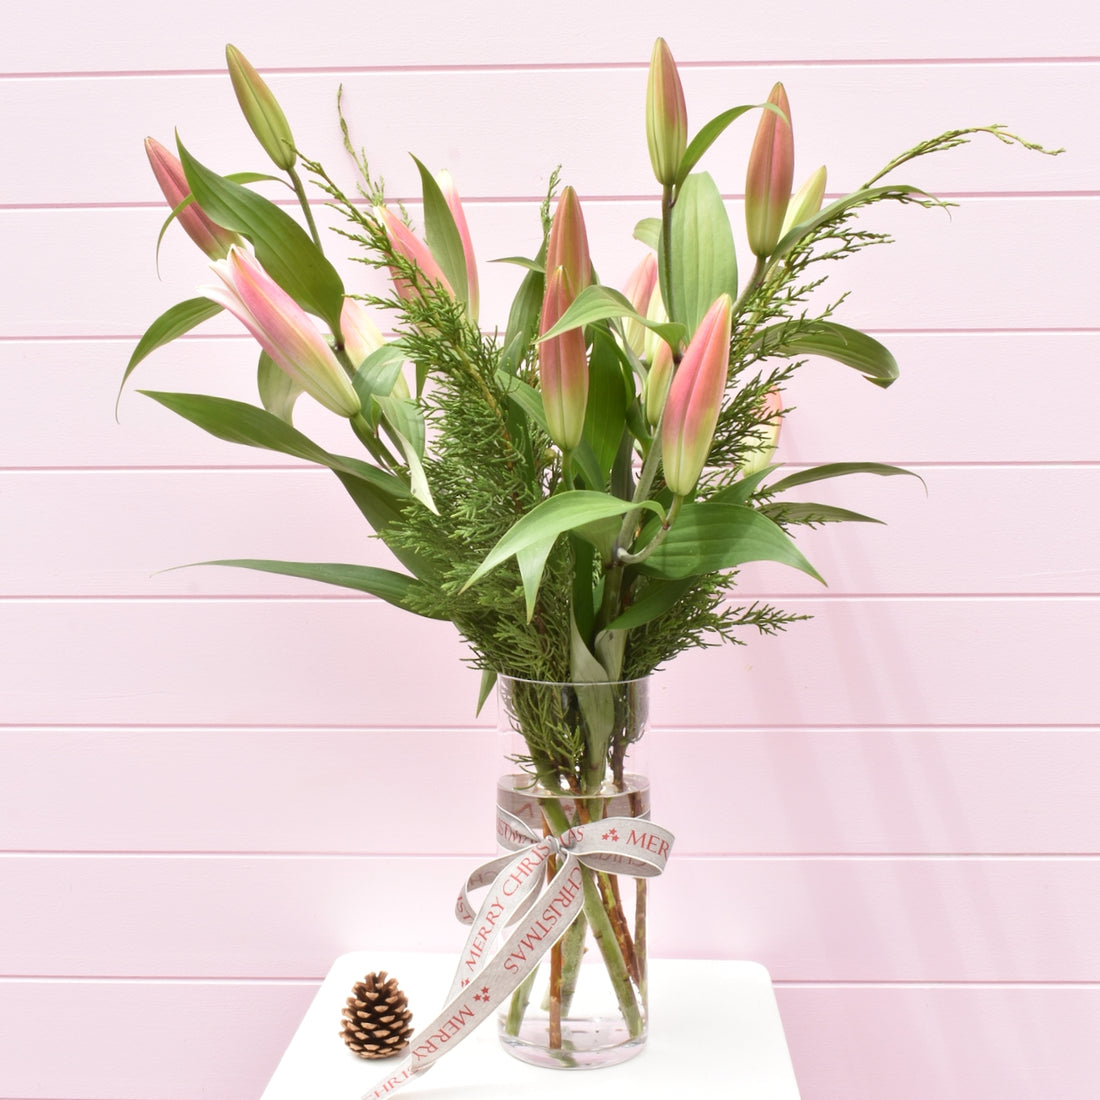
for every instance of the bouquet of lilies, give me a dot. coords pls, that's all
(577, 490)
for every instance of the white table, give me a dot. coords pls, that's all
(714, 1032)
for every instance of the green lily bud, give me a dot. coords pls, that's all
(639, 290)
(770, 175)
(261, 110)
(759, 456)
(805, 202)
(657, 383)
(665, 115)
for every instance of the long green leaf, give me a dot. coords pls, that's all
(284, 249)
(838, 342)
(602, 303)
(839, 469)
(442, 236)
(799, 511)
(709, 537)
(707, 137)
(659, 597)
(536, 532)
(181, 318)
(386, 584)
(239, 422)
(605, 415)
(704, 260)
(648, 231)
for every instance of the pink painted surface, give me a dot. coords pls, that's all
(893, 807)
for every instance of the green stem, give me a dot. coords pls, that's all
(303, 202)
(517, 1007)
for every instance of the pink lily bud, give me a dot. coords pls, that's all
(760, 455)
(283, 329)
(360, 334)
(407, 244)
(695, 399)
(261, 110)
(657, 383)
(209, 236)
(805, 202)
(770, 175)
(639, 290)
(563, 366)
(665, 115)
(454, 204)
(568, 243)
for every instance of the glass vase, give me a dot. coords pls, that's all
(572, 757)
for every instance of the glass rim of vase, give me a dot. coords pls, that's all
(573, 683)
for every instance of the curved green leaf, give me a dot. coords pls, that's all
(704, 260)
(838, 342)
(441, 234)
(602, 303)
(709, 537)
(386, 584)
(840, 469)
(648, 231)
(531, 537)
(803, 512)
(658, 597)
(707, 137)
(181, 318)
(285, 250)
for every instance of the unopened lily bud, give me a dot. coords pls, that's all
(639, 290)
(360, 334)
(283, 329)
(261, 110)
(805, 202)
(454, 204)
(695, 399)
(665, 115)
(563, 366)
(657, 384)
(208, 235)
(568, 243)
(770, 175)
(759, 456)
(651, 342)
(407, 244)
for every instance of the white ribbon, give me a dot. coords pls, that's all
(489, 971)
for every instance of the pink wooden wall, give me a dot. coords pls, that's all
(894, 807)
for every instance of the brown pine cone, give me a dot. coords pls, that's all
(377, 1020)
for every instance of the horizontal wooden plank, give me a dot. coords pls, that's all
(588, 121)
(962, 397)
(862, 1043)
(974, 269)
(774, 791)
(145, 1040)
(496, 32)
(806, 919)
(356, 662)
(912, 1043)
(1032, 536)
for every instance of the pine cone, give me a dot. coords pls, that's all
(376, 1017)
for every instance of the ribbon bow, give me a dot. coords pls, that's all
(540, 911)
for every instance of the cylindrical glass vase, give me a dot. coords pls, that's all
(572, 758)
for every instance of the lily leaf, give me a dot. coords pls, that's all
(601, 303)
(534, 533)
(386, 584)
(704, 260)
(658, 597)
(377, 374)
(838, 342)
(181, 318)
(707, 137)
(442, 236)
(648, 231)
(284, 249)
(709, 537)
(797, 511)
(278, 391)
(840, 469)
